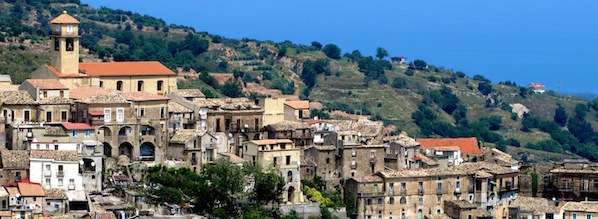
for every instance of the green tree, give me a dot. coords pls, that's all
(226, 183)
(268, 186)
(232, 88)
(332, 51)
(399, 82)
(485, 88)
(317, 45)
(381, 53)
(560, 115)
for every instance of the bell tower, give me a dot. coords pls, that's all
(65, 44)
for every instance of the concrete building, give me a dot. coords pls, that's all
(283, 155)
(296, 110)
(15, 165)
(534, 207)
(574, 180)
(471, 148)
(274, 109)
(299, 132)
(56, 169)
(584, 209)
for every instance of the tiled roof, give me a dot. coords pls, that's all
(270, 141)
(298, 104)
(501, 156)
(289, 125)
(47, 84)
(15, 159)
(184, 135)
(80, 93)
(367, 127)
(403, 140)
(233, 158)
(342, 125)
(124, 68)
(373, 178)
(427, 160)
(54, 131)
(174, 107)
(463, 204)
(10, 97)
(105, 98)
(325, 147)
(64, 18)
(478, 169)
(584, 206)
(56, 194)
(55, 101)
(12, 191)
(534, 204)
(96, 113)
(56, 155)
(190, 93)
(76, 126)
(5, 214)
(142, 96)
(589, 170)
(312, 121)
(31, 190)
(467, 145)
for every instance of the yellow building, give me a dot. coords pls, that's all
(284, 156)
(273, 110)
(151, 77)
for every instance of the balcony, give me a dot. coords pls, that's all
(29, 135)
(370, 194)
(420, 191)
(403, 192)
(48, 173)
(147, 158)
(507, 188)
(71, 186)
(60, 173)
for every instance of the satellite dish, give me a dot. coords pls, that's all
(230, 135)
(93, 164)
(359, 134)
(41, 96)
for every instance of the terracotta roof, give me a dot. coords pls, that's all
(76, 126)
(105, 215)
(467, 145)
(184, 135)
(427, 160)
(403, 140)
(96, 113)
(124, 68)
(64, 18)
(289, 125)
(105, 98)
(55, 101)
(534, 204)
(31, 190)
(174, 107)
(448, 148)
(536, 86)
(12, 191)
(15, 159)
(500, 156)
(584, 206)
(55, 155)
(298, 104)
(21, 97)
(47, 84)
(142, 96)
(373, 178)
(80, 93)
(56, 194)
(5, 214)
(270, 141)
(54, 131)
(478, 169)
(589, 170)
(312, 121)
(190, 93)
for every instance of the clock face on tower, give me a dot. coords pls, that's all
(69, 28)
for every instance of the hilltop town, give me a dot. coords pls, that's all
(122, 140)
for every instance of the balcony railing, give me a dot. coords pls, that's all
(48, 173)
(147, 158)
(60, 173)
(71, 186)
(420, 191)
(371, 194)
(403, 192)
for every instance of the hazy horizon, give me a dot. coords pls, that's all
(550, 42)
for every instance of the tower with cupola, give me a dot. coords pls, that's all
(65, 44)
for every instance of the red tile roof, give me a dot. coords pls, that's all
(96, 113)
(467, 145)
(299, 104)
(76, 126)
(47, 84)
(81, 93)
(64, 18)
(124, 68)
(31, 189)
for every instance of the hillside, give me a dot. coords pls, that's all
(420, 98)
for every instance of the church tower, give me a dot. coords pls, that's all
(65, 44)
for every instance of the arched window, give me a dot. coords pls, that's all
(139, 85)
(119, 85)
(160, 84)
(289, 176)
(403, 200)
(391, 200)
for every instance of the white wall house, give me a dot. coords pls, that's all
(55, 169)
(54, 146)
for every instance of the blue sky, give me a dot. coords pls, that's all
(551, 42)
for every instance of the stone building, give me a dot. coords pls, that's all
(195, 148)
(361, 160)
(573, 180)
(422, 192)
(299, 132)
(583, 209)
(534, 207)
(323, 161)
(15, 165)
(296, 110)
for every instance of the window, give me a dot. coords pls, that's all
(139, 85)
(354, 152)
(101, 84)
(56, 44)
(141, 111)
(160, 84)
(458, 185)
(60, 181)
(63, 116)
(61, 93)
(75, 133)
(70, 44)
(107, 114)
(120, 114)
(327, 160)
(69, 28)
(420, 200)
(47, 182)
(87, 133)
(27, 115)
(403, 200)
(288, 160)
(353, 163)
(372, 154)
(391, 200)
(589, 216)
(48, 167)
(380, 201)
(48, 116)
(217, 125)
(162, 112)
(119, 85)
(439, 199)
(574, 216)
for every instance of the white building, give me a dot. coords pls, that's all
(55, 169)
